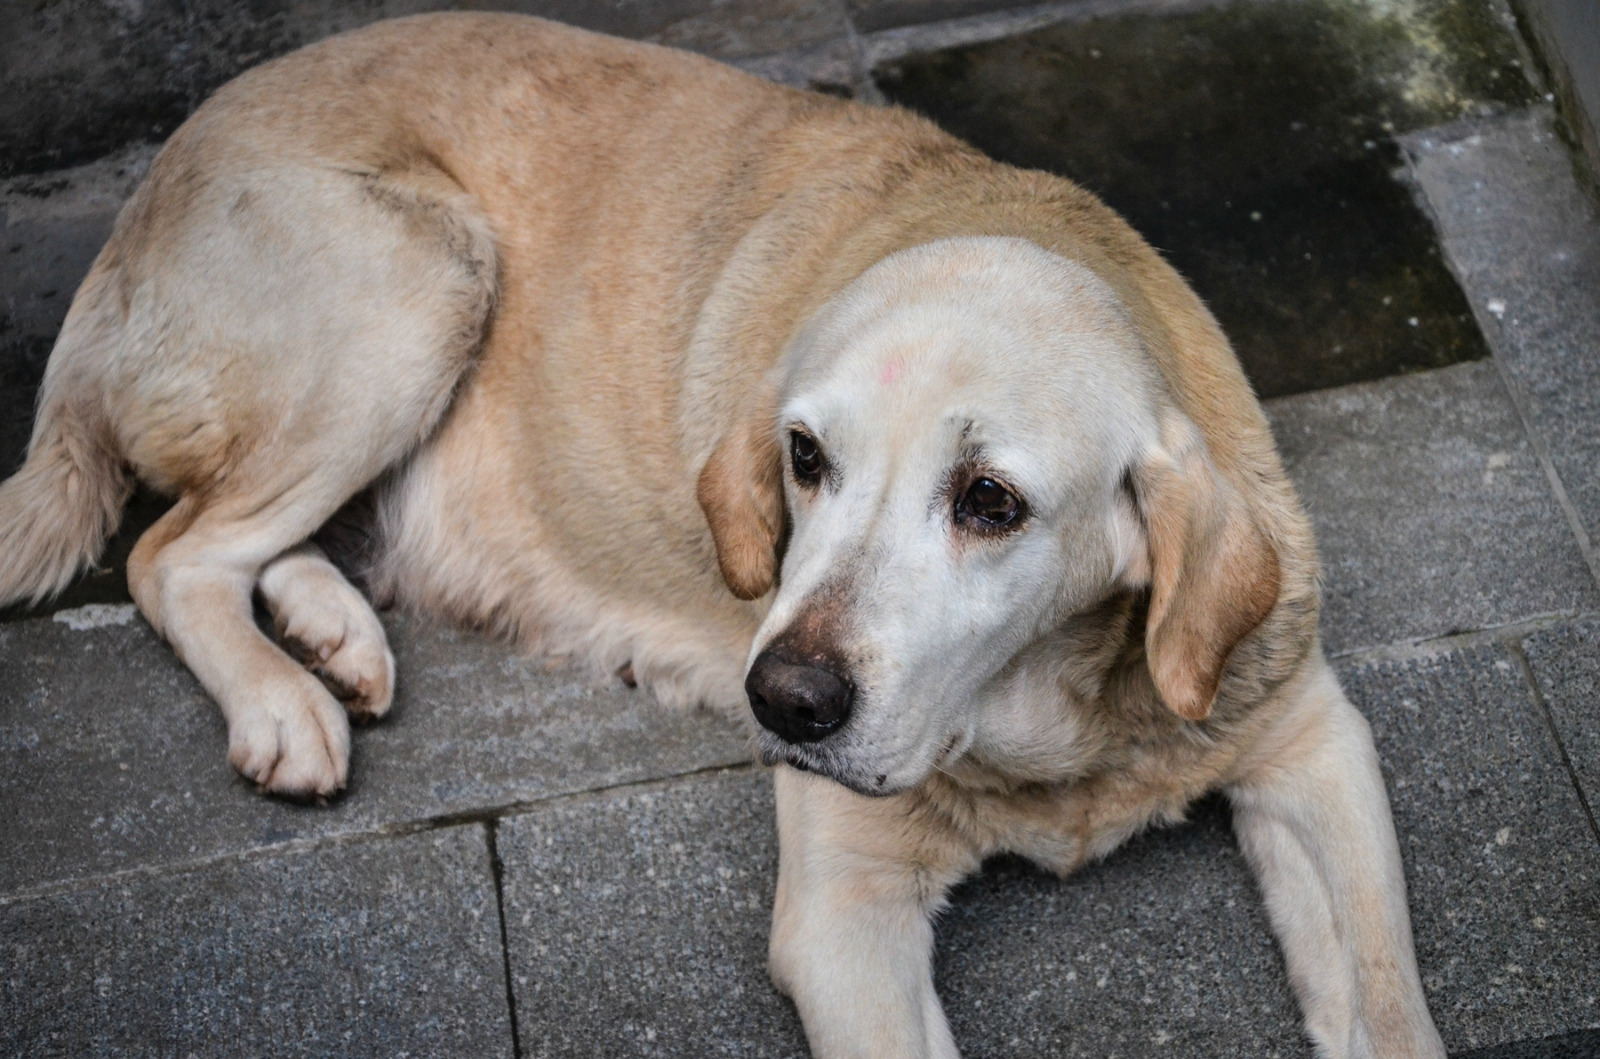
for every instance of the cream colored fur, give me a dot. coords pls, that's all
(561, 302)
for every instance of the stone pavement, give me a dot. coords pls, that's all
(528, 864)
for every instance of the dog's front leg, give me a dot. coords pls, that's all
(1313, 819)
(852, 941)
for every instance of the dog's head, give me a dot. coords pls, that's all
(972, 445)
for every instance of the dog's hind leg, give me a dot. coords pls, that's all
(294, 333)
(324, 622)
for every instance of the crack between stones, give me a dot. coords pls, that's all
(1508, 378)
(374, 833)
(1555, 733)
(1432, 646)
(1519, 401)
(491, 833)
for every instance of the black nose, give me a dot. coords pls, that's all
(801, 703)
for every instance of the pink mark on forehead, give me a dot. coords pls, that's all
(891, 371)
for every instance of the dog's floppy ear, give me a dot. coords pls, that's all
(1213, 573)
(741, 492)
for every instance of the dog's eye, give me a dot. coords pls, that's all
(989, 504)
(806, 458)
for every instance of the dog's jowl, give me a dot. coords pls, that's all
(927, 465)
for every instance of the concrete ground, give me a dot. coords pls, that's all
(529, 864)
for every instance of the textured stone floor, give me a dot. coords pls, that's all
(528, 864)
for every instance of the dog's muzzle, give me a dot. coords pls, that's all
(798, 702)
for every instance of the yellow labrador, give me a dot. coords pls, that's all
(616, 330)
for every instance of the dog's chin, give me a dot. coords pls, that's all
(820, 761)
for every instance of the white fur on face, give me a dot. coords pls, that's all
(965, 357)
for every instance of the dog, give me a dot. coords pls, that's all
(801, 409)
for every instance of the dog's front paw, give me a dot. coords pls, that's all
(339, 639)
(295, 743)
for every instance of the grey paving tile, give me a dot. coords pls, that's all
(1566, 664)
(51, 228)
(831, 66)
(901, 27)
(1525, 242)
(111, 756)
(1503, 869)
(386, 948)
(637, 924)
(1164, 949)
(1432, 513)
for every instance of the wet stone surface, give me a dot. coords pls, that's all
(869, 16)
(1253, 145)
(387, 948)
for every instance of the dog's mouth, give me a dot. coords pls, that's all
(822, 762)
(777, 752)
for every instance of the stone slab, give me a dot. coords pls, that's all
(386, 948)
(1565, 661)
(1432, 513)
(81, 78)
(832, 66)
(1566, 33)
(1501, 863)
(113, 758)
(1525, 243)
(900, 27)
(1163, 949)
(637, 924)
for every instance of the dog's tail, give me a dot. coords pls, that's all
(58, 509)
